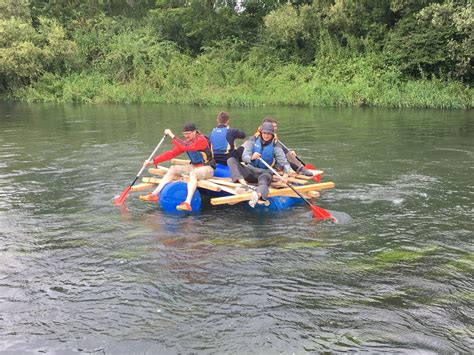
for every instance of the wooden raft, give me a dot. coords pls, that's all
(237, 194)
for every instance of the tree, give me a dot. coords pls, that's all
(435, 41)
(27, 52)
(17, 9)
(198, 23)
(283, 25)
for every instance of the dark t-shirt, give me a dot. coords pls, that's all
(231, 136)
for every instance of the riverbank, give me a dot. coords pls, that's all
(289, 85)
(352, 55)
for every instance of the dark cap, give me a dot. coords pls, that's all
(188, 127)
(267, 127)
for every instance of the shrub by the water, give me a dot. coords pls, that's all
(343, 54)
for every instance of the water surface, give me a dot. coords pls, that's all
(78, 274)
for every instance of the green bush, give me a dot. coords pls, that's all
(438, 40)
(27, 53)
(392, 53)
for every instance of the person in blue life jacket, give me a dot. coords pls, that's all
(290, 155)
(223, 138)
(255, 171)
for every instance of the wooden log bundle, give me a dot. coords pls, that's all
(217, 184)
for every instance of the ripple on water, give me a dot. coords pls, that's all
(78, 274)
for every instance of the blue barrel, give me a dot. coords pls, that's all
(279, 203)
(174, 193)
(222, 171)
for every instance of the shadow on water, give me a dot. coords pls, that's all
(341, 217)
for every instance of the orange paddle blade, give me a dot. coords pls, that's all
(321, 214)
(121, 199)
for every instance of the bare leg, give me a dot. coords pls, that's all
(192, 185)
(169, 176)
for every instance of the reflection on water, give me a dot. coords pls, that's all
(79, 274)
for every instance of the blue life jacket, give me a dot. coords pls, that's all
(266, 152)
(218, 139)
(202, 156)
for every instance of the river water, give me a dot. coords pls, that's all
(78, 274)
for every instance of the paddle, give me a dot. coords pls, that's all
(316, 177)
(121, 199)
(318, 212)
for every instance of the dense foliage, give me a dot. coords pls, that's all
(396, 53)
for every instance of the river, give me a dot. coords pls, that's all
(78, 274)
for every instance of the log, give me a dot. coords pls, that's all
(273, 192)
(141, 187)
(176, 161)
(312, 194)
(225, 182)
(151, 180)
(209, 184)
(201, 183)
(216, 183)
(205, 184)
(158, 171)
(275, 184)
(227, 189)
(221, 179)
(291, 179)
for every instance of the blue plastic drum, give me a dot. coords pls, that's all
(279, 203)
(174, 193)
(222, 171)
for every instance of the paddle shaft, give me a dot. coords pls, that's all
(287, 184)
(149, 158)
(120, 200)
(288, 149)
(318, 212)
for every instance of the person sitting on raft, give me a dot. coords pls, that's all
(223, 138)
(202, 164)
(290, 155)
(255, 171)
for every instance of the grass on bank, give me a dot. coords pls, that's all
(207, 81)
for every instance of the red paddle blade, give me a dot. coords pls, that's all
(316, 177)
(321, 214)
(121, 199)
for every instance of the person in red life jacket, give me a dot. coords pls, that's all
(264, 147)
(223, 138)
(202, 164)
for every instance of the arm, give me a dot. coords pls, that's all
(180, 146)
(287, 150)
(237, 133)
(281, 159)
(283, 147)
(168, 155)
(200, 143)
(248, 151)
